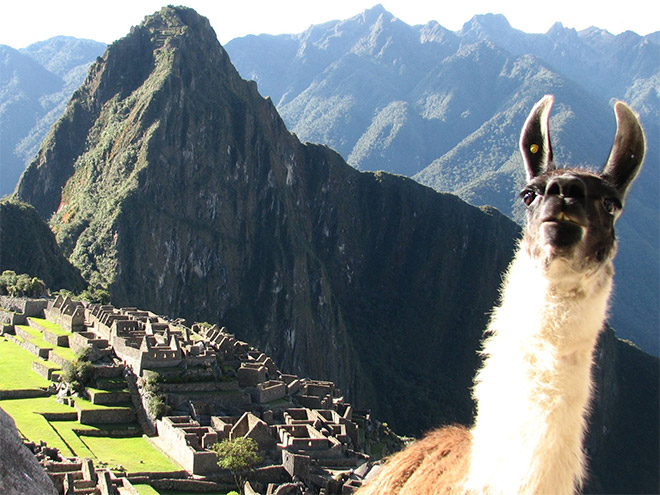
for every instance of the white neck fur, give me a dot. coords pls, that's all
(534, 388)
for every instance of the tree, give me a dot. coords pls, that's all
(239, 456)
(21, 285)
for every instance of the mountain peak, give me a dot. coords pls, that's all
(131, 73)
(369, 16)
(558, 31)
(487, 23)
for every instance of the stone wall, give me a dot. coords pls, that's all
(172, 432)
(270, 391)
(103, 416)
(10, 318)
(26, 306)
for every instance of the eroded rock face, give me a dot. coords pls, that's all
(20, 472)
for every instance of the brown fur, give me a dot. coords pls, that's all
(441, 455)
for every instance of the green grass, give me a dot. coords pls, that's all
(148, 490)
(65, 353)
(33, 425)
(16, 368)
(84, 404)
(37, 338)
(145, 490)
(49, 325)
(133, 454)
(77, 445)
(34, 333)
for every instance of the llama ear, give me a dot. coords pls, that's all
(627, 153)
(535, 139)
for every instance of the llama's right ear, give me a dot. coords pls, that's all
(535, 139)
(627, 153)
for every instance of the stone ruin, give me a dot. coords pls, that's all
(305, 430)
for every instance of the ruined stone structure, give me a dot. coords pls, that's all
(143, 340)
(16, 310)
(304, 428)
(189, 443)
(68, 314)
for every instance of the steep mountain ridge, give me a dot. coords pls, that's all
(176, 184)
(446, 107)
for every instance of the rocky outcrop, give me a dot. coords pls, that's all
(23, 474)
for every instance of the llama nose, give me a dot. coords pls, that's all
(567, 186)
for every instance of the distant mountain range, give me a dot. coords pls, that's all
(440, 106)
(35, 86)
(446, 107)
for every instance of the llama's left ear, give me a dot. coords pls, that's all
(535, 139)
(627, 153)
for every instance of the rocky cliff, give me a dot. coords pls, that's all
(173, 182)
(23, 474)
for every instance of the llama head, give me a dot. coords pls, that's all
(571, 212)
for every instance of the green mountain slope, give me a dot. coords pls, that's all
(28, 246)
(446, 108)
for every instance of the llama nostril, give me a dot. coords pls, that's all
(567, 187)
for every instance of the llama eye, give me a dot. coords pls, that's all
(611, 205)
(528, 196)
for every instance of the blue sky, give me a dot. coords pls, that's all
(27, 21)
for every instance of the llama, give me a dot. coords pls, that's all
(533, 390)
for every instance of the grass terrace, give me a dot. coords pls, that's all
(61, 429)
(148, 490)
(65, 353)
(36, 337)
(134, 454)
(49, 325)
(32, 425)
(16, 368)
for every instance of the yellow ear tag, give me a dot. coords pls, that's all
(534, 148)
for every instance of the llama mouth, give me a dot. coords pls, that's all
(562, 218)
(562, 232)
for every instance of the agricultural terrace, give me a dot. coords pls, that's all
(44, 419)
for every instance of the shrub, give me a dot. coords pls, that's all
(239, 456)
(80, 372)
(98, 295)
(157, 407)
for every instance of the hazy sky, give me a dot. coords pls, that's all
(23, 22)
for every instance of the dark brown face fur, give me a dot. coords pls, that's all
(571, 214)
